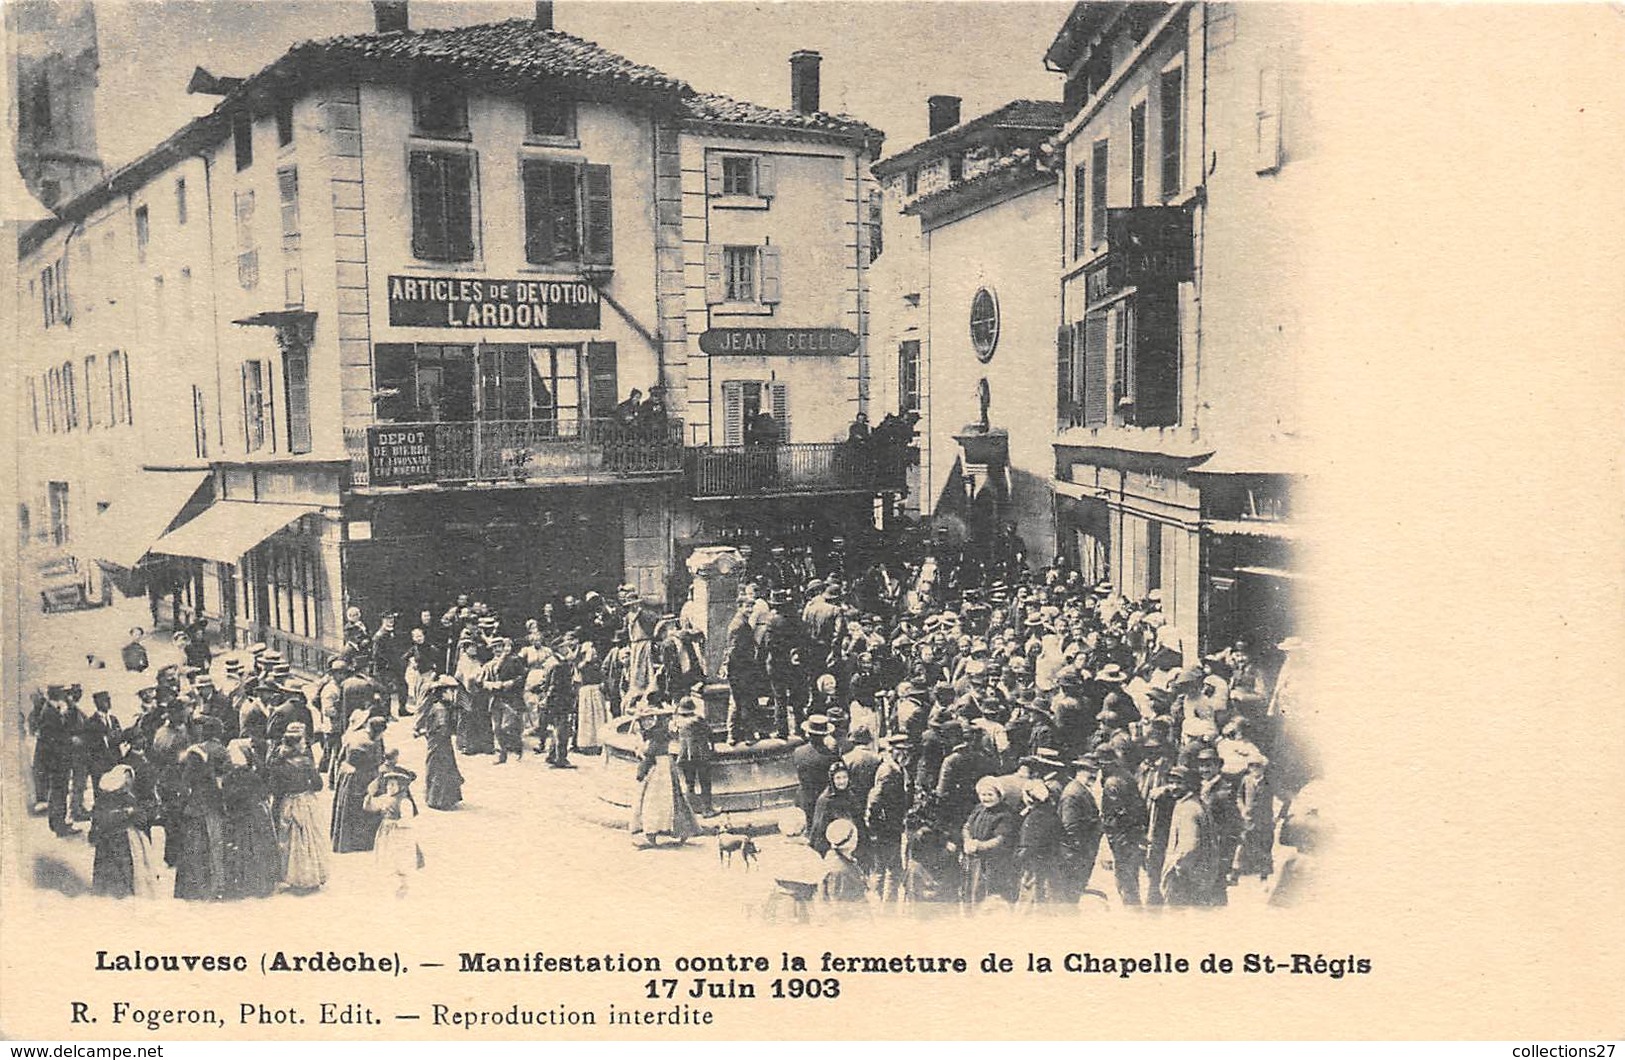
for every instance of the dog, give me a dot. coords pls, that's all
(729, 843)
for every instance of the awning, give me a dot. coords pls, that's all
(1271, 572)
(1253, 528)
(229, 529)
(136, 518)
(1077, 491)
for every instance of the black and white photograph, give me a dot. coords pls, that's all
(805, 465)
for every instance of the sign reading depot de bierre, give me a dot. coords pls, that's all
(471, 302)
(400, 456)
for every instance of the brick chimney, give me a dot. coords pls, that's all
(389, 15)
(544, 14)
(804, 81)
(944, 111)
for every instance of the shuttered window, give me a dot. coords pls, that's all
(743, 400)
(733, 412)
(780, 393)
(1155, 357)
(296, 386)
(442, 205)
(254, 425)
(1080, 211)
(908, 376)
(743, 275)
(568, 213)
(1098, 190)
(1063, 376)
(603, 386)
(1136, 163)
(1172, 114)
(293, 277)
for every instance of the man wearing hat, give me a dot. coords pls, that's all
(1218, 794)
(1079, 806)
(101, 733)
(639, 622)
(778, 641)
(1123, 822)
(1193, 866)
(388, 663)
(885, 814)
(54, 729)
(825, 621)
(812, 760)
(695, 752)
(1154, 780)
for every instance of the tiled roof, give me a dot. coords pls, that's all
(517, 51)
(725, 110)
(1011, 168)
(1025, 115)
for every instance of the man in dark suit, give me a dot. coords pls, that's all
(54, 731)
(812, 760)
(1080, 829)
(388, 652)
(101, 737)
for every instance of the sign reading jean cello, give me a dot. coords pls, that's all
(400, 456)
(835, 342)
(463, 302)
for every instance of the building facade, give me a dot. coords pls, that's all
(383, 309)
(973, 207)
(1176, 388)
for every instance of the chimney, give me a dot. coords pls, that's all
(804, 81)
(944, 113)
(389, 15)
(544, 14)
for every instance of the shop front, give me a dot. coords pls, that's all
(1250, 558)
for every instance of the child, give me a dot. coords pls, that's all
(396, 848)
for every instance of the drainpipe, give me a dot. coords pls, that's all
(214, 306)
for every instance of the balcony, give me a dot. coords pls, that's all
(734, 471)
(492, 452)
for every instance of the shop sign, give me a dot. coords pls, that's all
(827, 342)
(1145, 245)
(400, 456)
(468, 302)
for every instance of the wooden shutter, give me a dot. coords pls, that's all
(781, 408)
(1267, 157)
(603, 386)
(1095, 352)
(597, 221)
(459, 192)
(392, 369)
(716, 291)
(534, 176)
(766, 179)
(713, 175)
(733, 413)
(428, 222)
(1156, 357)
(771, 287)
(1063, 375)
(251, 404)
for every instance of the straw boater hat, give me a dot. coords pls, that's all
(119, 778)
(295, 729)
(842, 835)
(817, 725)
(234, 666)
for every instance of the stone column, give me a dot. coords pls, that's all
(717, 571)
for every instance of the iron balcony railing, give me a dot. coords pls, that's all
(511, 451)
(800, 468)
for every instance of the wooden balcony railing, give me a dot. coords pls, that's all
(510, 451)
(801, 468)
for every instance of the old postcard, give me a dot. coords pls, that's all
(707, 521)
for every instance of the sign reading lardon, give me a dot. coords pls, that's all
(465, 302)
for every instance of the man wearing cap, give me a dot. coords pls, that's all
(825, 621)
(1154, 780)
(695, 752)
(746, 681)
(778, 641)
(327, 703)
(1193, 868)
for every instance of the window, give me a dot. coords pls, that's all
(293, 279)
(908, 376)
(180, 200)
(1123, 360)
(53, 387)
(118, 389)
(1080, 211)
(442, 206)
(258, 430)
(911, 182)
(1171, 104)
(1267, 156)
(1097, 192)
(54, 293)
(742, 275)
(143, 232)
(440, 109)
(1153, 555)
(284, 123)
(424, 383)
(984, 324)
(296, 385)
(90, 391)
(1136, 164)
(551, 117)
(200, 423)
(1152, 357)
(738, 175)
(39, 106)
(877, 226)
(1091, 347)
(956, 167)
(70, 399)
(248, 254)
(505, 383)
(556, 387)
(33, 403)
(744, 402)
(739, 272)
(567, 213)
(57, 495)
(242, 140)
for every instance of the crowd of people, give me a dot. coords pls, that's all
(964, 729)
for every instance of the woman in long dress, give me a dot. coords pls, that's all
(200, 866)
(443, 781)
(989, 846)
(353, 827)
(125, 863)
(253, 858)
(294, 782)
(397, 850)
(474, 736)
(592, 710)
(662, 806)
(421, 670)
